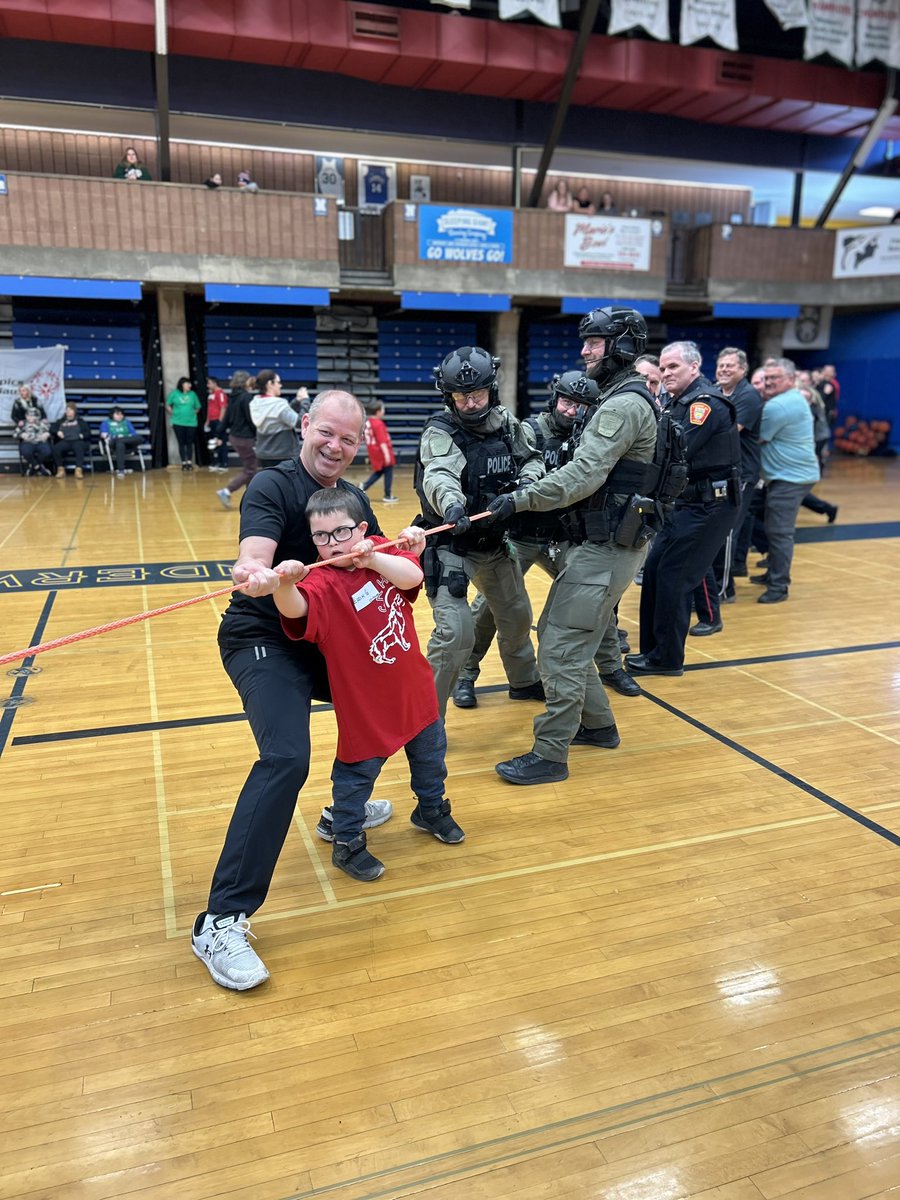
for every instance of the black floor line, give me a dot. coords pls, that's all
(846, 533)
(72, 735)
(774, 769)
(9, 714)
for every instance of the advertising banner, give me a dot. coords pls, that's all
(790, 14)
(465, 235)
(830, 30)
(602, 243)
(42, 369)
(878, 32)
(874, 250)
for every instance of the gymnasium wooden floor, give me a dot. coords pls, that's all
(675, 975)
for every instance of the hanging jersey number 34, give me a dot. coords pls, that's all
(699, 413)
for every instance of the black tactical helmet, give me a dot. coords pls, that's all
(625, 331)
(575, 385)
(468, 369)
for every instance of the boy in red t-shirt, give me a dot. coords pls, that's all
(216, 403)
(383, 690)
(380, 450)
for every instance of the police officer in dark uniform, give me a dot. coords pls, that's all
(536, 536)
(702, 516)
(468, 455)
(604, 487)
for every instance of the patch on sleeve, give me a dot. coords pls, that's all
(699, 412)
(609, 423)
(440, 443)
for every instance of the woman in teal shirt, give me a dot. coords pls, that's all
(183, 406)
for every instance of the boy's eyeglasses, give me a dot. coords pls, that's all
(343, 533)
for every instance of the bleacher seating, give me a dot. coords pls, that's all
(235, 342)
(552, 348)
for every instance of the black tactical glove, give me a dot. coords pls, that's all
(456, 516)
(502, 509)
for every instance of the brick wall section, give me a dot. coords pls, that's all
(101, 214)
(38, 151)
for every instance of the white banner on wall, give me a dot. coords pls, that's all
(42, 369)
(810, 329)
(830, 30)
(878, 32)
(545, 10)
(790, 14)
(859, 253)
(709, 18)
(607, 243)
(649, 15)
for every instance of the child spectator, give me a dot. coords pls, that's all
(131, 167)
(182, 406)
(380, 450)
(73, 438)
(245, 182)
(361, 619)
(120, 435)
(34, 443)
(216, 404)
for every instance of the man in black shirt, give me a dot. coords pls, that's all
(276, 680)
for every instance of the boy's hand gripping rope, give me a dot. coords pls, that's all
(70, 638)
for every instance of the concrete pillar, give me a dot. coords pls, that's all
(505, 344)
(173, 347)
(769, 340)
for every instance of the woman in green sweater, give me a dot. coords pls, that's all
(183, 406)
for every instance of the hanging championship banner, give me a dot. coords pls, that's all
(377, 184)
(874, 250)
(607, 243)
(830, 30)
(545, 10)
(878, 32)
(330, 177)
(650, 15)
(42, 369)
(790, 14)
(708, 18)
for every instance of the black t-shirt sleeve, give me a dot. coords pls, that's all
(264, 507)
(747, 407)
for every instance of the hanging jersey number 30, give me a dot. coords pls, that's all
(699, 413)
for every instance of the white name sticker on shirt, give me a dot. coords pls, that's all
(365, 595)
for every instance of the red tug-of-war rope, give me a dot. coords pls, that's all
(70, 638)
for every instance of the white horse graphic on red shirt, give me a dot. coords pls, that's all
(394, 633)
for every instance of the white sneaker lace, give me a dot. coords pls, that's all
(232, 940)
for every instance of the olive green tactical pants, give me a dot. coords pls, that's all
(591, 581)
(609, 655)
(499, 579)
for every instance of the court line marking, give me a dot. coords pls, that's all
(325, 883)
(162, 815)
(43, 496)
(822, 708)
(41, 887)
(797, 1066)
(190, 545)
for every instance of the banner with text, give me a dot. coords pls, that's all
(649, 15)
(830, 30)
(878, 32)
(545, 10)
(42, 369)
(790, 14)
(465, 235)
(713, 19)
(608, 243)
(859, 253)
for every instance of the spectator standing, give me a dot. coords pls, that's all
(648, 366)
(131, 167)
(121, 435)
(830, 391)
(35, 443)
(560, 199)
(216, 405)
(790, 469)
(380, 450)
(183, 407)
(238, 425)
(23, 403)
(276, 421)
(822, 435)
(72, 437)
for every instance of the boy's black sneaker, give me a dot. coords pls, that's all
(355, 860)
(439, 822)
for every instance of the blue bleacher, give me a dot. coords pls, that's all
(408, 351)
(236, 342)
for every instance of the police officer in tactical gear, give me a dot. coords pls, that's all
(537, 536)
(468, 455)
(702, 516)
(603, 486)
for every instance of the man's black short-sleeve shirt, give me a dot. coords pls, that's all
(274, 507)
